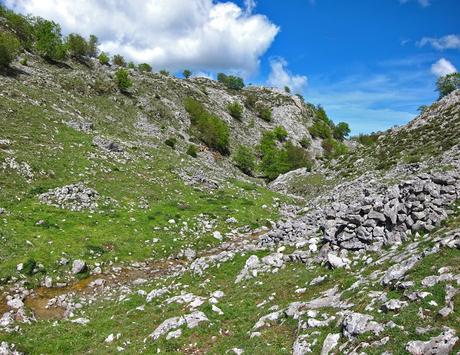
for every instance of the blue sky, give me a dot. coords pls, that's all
(370, 63)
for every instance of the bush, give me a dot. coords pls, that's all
(320, 129)
(76, 46)
(230, 81)
(92, 46)
(23, 28)
(192, 150)
(119, 60)
(211, 129)
(122, 78)
(333, 148)
(48, 40)
(300, 97)
(9, 47)
(280, 133)
(23, 61)
(367, 139)
(251, 101)
(305, 142)
(29, 266)
(164, 72)
(265, 113)
(187, 73)
(104, 58)
(245, 159)
(287, 90)
(235, 110)
(171, 142)
(341, 131)
(448, 83)
(131, 65)
(144, 67)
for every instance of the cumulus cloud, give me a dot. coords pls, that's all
(446, 42)
(443, 67)
(423, 3)
(280, 77)
(171, 34)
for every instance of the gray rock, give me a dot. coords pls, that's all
(355, 324)
(440, 345)
(78, 266)
(330, 343)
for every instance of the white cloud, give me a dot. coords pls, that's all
(423, 3)
(443, 67)
(280, 77)
(446, 42)
(171, 34)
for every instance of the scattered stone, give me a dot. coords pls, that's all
(355, 324)
(330, 343)
(78, 266)
(440, 345)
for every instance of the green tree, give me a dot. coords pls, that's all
(187, 73)
(235, 110)
(93, 42)
(287, 89)
(76, 46)
(104, 58)
(23, 29)
(144, 67)
(123, 80)
(341, 130)
(119, 60)
(230, 81)
(245, 159)
(448, 83)
(9, 47)
(48, 40)
(164, 72)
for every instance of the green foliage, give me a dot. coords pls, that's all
(280, 133)
(300, 97)
(276, 161)
(367, 139)
(28, 267)
(9, 47)
(48, 40)
(192, 150)
(235, 110)
(333, 148)
(287, 89)
(341, 130)
(305, 142)
(448, 83)
(230, 81)
(23, 61)
(187, 73)
(265, 113)
(245, 159)
(131, 65)
(123, 80)
(322, 116)
(422, 108)
(76, 46)
(251, 101)
(171, 142)
(164, 72)
(320, 129)
(104, 58)
(210, 129)
(144, 67)
(23, 28)
(92, 46)
(119, 60)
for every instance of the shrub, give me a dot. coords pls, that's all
(122, 78)
(103, 85)
(171, 142)
(144, 67)
(119, 60)
(300, 97)
(211, 129)
(235, 110)
(448, 83)
(422, 108)
(245, 159)
(187, 73)
(333, 148)
(192, 150)
(29, 266)
(305, 142)
(21, 26)
(76, 46)
(280, 133)
(24, 61)
(250, 101)
(265, 113)
(320, 129)
(230, 81)
(164, 72)
(367, 139)
(341, 131)
(9, 47)
(104, 58)
(287, 90)
(296, 158)
(92, 46)
(48, 40)
(131, 65)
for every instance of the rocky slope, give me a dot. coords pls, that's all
(114, 242)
